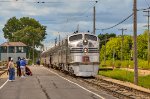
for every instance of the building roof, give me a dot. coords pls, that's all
(13, 44)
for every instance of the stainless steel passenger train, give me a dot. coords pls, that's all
(77, 54)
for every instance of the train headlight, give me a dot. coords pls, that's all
(85, 50)
(85, 42)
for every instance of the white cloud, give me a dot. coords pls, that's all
(65, 15)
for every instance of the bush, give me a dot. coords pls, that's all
(29, 62)
(143, 64)
(118, 65)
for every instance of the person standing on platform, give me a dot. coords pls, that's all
(11, 70)
(22, 67)
(18, 67)
(38, 62)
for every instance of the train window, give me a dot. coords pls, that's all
(75, 37)
(90, 37)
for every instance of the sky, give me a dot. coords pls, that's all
(64, 16)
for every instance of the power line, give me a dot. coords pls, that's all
(83, 13)
(143, 9)
(122, 20)
(117, 23)
(64, 1)
(20, 1)
(147, 3)
(6, 1)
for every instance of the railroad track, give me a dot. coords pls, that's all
(118, 90)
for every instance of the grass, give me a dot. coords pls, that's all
(124, 75)
(144, 81)
(142, 64)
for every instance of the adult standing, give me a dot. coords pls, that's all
(11, 70)
(38, 62)
(22, 67)
(18, 67)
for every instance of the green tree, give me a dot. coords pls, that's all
(104, 37)
(29, 35)
(34, 34)
(142, 43)
(115, 44)
(12, 25)
(26, 30)
(15, 30)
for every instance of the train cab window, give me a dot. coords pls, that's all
(90, 37)
(75, 37)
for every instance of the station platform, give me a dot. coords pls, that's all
(47, 84)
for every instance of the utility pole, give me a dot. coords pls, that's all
(122, 44)
(105, 51)
(33, 52)
(59, 39)
(7, 50)
(135, 42)
(78, 28)
(94, 18)
(55, 41)
(113, 57)
(148, 16)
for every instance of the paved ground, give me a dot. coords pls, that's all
(46, 85)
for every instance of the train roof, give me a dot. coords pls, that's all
(82, 33)
(50, 50)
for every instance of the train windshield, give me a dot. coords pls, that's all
(90, 37)
(75, 37)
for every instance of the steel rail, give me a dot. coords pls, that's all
(116, 89)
